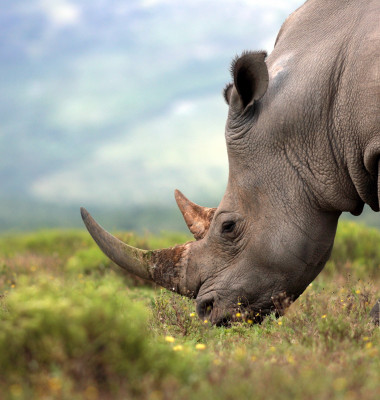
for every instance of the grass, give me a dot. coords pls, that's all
(73, 326)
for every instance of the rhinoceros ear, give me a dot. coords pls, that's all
(250, 75)
(197, 218)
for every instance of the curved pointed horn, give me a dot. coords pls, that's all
(166, 267)
(197, 218)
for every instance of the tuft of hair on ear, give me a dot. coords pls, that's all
(245, 53)
(226, 92)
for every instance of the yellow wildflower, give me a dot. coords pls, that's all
(290, 359)
(238, 315)
(250, 321)
(357, 291)
(205, 321)
(169, 339)
(279, 322)
(55, 384)
(192, 314)
(324, 316)
(368, 345)
(200, 346)
(178, 347)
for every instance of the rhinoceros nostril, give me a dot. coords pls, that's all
(204, 308)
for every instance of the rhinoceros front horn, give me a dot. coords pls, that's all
(197, 218)
(166, 267)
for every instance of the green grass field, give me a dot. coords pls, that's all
(74, 326)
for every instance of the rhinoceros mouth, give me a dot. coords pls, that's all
(210, 310)
(236, 315)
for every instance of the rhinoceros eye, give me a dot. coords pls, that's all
(228, 227)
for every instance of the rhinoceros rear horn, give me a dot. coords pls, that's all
(166, 267)
(197, 218)
(250, 75)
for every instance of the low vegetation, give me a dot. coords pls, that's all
(74, 326)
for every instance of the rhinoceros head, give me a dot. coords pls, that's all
(267, 239)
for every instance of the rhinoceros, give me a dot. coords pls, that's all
(303, 141)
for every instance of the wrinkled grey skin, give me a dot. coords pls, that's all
(298, 157)
(303, 143)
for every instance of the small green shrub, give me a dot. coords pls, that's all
(59, 242)
(167, 239)
(90, 332)
(356, 250)
(88, 261)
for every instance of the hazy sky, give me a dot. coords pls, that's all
(119, 102)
